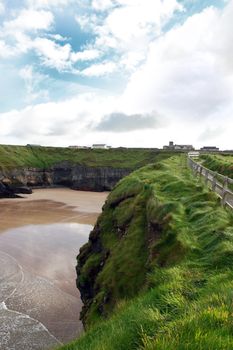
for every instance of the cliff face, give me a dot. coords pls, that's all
(114, 263)
(87, 178)
(62, 174)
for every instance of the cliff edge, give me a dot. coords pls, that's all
(156, 272)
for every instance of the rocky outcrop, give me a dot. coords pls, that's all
(5, 192)
(10, 191)
(65, 174)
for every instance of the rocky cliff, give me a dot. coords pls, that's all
(19, 180)
(84, 169)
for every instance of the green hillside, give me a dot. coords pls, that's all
(157, 272)
(44, 157)
(223, 164)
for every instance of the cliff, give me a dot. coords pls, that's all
(156, 272)
(83, 169)
(63, 174)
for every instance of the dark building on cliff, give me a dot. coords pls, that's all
(209, 149)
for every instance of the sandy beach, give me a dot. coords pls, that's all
(46, 206)
(40, 237)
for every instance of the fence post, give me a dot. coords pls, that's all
(200, 170)
(193, 166)
(196, 169)
(225, 185)
(206, 176)
(214, 181)
(224, 197)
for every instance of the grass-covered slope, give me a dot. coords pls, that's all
(157, 271)
(223, 164)
(45, 157)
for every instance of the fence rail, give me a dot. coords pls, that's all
(219, 183)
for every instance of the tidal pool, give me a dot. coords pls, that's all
(39, 241)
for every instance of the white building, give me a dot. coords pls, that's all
(194, 154)
(100, 146)
(184, 147)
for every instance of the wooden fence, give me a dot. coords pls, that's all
(218, 182)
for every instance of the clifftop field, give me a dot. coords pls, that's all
(157, 272)
(45, 157)
(223, 164)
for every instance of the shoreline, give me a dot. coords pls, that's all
(72, 198)
(43, 232)
(47, 206)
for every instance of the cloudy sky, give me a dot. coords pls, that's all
(122, 72)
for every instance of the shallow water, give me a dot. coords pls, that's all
(39, 241)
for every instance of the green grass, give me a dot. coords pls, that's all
(223, 164)
(164, 279)
(45, 157)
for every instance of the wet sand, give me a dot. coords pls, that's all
(40, 236)
(83, 201)
(46, 206)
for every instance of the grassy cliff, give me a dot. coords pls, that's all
(45, 157)
(157, 270)
(223, 164)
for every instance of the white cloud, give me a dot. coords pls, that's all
(45, 123)
(52, 54)
(87, 22)
(5, 50)
(97, 70)
(138, 20)
(2, 7)
(183, 75)
(102, 5)
(211, 133)
(28, 31)
(57, 37)
(128, 26)
(86, 55)
(38, 4)
(32, 80)
(29, 20)
(131, 60)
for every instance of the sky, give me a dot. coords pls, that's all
(133, 73)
